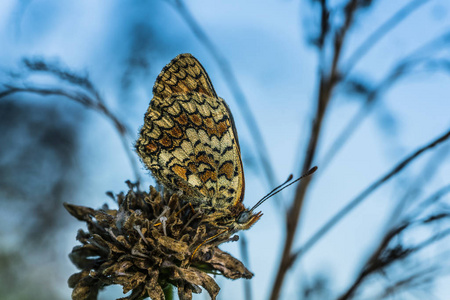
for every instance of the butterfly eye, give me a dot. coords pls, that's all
(243, 217)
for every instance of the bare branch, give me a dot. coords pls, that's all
(319, 40)
(410, 194)
(95, 104)
(405, 67)
(326, 87)
(248, 295)
(415, 280)
(427, 202)
(377, 262)
(41, 66)
(381, 32)
(363, 195)
(385, 255)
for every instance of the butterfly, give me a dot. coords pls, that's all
(190, 144)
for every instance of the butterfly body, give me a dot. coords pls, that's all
(190, 144)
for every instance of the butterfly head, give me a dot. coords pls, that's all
(243, 218)
(246, 219)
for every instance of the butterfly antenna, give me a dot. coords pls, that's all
(271, 192)
(283, 186)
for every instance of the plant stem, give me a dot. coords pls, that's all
(168, 292)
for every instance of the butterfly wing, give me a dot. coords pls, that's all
(188, 140)
(182, 75)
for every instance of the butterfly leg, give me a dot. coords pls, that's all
(209, 240)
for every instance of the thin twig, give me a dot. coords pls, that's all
(380, 32)
(326, 87)
(374, 263)
(363, 195)
(348, 131)
(414, 280)
(411, 193)
(402, 69)
(385, 255)
(245, 259)
(377, 263)
(88, 103)
(324, 33)
(433, 198)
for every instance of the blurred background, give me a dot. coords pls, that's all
(354, 87)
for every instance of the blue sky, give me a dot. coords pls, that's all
(265, 43)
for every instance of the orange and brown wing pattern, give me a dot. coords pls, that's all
(182, 75)
(188, 140)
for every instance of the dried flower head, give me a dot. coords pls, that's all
(151, 242)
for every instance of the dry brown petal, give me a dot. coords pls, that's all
(139, 253)
(101, 244)
(75, 278)
(83, 237)
(151, 244)
(86, 289)
(109, 270)
(81, 256)
(104, 219)
(82, 213)
(155, 195)
(195, 277)
(185, 291)
(200, 234)
(174, 228)
(152, 286)
(119, 268)
(185, 238)
(123, 280)
(98, 271)
(116, 248)
(173, 202)
(143, 263)
(137, 294)
(144, 228)
(123, 241)
(173, 245)
(134, 219)
(229, 266)
(134, 281)
(154, 232)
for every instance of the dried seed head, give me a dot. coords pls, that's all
(150, 242)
